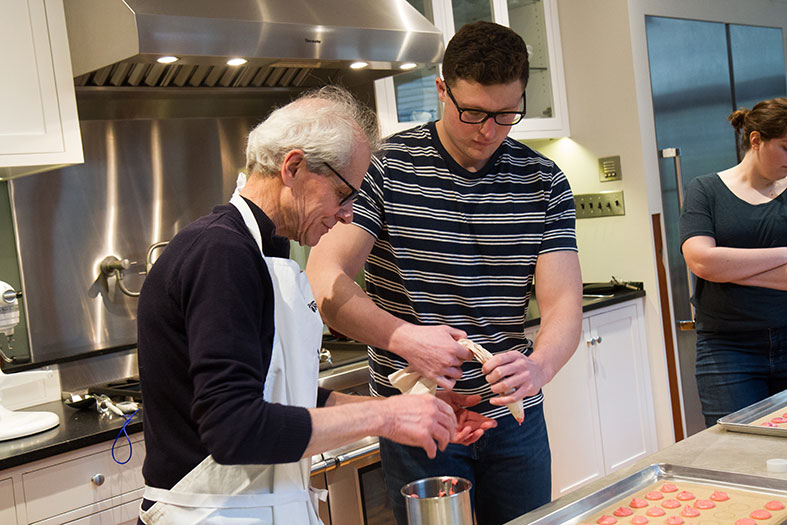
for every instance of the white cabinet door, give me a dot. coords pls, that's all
(7, 505)
(571, 413)
(599, 406)
(625, 402)
(38, 116)
(410, 98)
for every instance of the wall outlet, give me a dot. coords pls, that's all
(603, 204)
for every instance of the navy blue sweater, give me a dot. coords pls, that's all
(205, 323)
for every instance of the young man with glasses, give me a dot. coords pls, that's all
(454, 221)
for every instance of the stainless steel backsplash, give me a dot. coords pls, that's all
(152, 165)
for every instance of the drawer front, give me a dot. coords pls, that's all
(125, 514)
(80, 482)
(7, 506)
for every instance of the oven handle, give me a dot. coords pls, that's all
(358, 453)
(324, 465)
(330, 463)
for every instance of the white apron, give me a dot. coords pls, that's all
(259, 494)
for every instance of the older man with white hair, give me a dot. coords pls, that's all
(229, 336)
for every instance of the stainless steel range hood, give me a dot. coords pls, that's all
(287, 43)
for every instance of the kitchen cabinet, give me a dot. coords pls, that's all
(7, 507)
(599, 407)
(83, 486)
(39, 124)
(408, 99)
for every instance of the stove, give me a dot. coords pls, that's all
(122, 388)
(335, 353)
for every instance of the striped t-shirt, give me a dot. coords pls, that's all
(459, 248)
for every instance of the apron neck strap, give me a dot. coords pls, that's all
(248, 218)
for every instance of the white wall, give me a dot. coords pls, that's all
(610, 110)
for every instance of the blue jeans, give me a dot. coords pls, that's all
(737, 369)
(509, 467)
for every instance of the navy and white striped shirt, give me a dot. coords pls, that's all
(459, 248)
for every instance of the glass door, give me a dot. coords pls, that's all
(526, 17)
(410, 98)
(415, 92)
(547, 108)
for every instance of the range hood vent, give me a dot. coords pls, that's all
(137, 74)
(286, 43)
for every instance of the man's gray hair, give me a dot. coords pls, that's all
(327, 124)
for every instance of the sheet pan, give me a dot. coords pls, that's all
(740, 421)
(581, 509)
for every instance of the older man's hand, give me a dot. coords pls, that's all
(419, 421)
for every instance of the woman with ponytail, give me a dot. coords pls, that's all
(733, 230)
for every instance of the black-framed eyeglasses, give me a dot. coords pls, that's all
(478, 116)
(350, 197)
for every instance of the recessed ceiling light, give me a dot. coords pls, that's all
(167, 60)
(407, 65)
(358, 65)
(236, 61)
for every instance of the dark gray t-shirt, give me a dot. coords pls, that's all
(711, 209)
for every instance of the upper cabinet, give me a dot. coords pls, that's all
(408, 99)
(39, 126)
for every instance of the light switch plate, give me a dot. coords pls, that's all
(603, 204)
(609, 169)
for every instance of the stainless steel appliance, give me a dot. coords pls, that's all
(700, 72)
(441, 500)
(129, 388)
(147, 173)
(282, 42)
(352, 474)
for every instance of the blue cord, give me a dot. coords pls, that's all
(123, 431)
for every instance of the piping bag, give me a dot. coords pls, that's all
(408, 381)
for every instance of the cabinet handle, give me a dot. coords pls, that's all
(594, 340)
(598, 339)
(97, 480)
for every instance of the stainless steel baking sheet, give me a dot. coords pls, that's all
(575, 512)
(740, 421)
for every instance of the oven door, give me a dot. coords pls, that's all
(352, 474)
(357, 493)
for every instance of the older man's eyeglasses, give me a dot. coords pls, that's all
(478, 116)
(350, 197)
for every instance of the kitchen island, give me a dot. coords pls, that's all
(712, 449)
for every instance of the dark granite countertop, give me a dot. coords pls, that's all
(81, 428)
(77, 429)
(589, 302)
